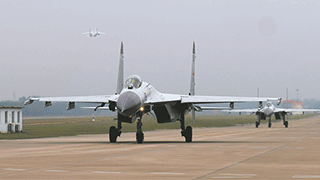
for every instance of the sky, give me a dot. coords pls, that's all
(241, 45)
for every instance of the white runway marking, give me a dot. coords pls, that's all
(172, 146)
(306, 176)
(230, 177)
(10, 169)
(167, 173)
(97, 150)
(125, 149)
(56, 171)
(233, 176)
(238, 174)
(106, 172)
(151, 145)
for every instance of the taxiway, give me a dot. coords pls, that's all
(215, 153)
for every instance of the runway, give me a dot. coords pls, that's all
(242, 152)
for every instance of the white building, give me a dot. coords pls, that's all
(10, 119)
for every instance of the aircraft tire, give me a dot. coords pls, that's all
(113, 133)
(188, 134)
(269, 125)
(140, 137)
(286, 123)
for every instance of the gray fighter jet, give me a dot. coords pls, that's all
(135, 98)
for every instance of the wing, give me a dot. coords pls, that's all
(162, 98)
(223, 99)
(297, 110)
(242, 110)
(184, 99)
(79, 99)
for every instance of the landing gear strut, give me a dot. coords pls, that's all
(258, 122)
(285, 123)
(139, 134)
(115, 132)
(269, 124)
(186, 132)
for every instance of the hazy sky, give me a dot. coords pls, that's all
(240, 46)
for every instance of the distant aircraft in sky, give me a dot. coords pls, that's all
(268, 110)
(93, 33)
(134, 98)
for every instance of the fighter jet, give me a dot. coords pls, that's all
(93, 33)
(268, 110)
(135, 98)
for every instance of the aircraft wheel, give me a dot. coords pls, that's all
(286, 123)
(113, 133)
(140, 137)
(269, 125)
(257, 124)
(188, 134)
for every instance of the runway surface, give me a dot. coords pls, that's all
(243, 152)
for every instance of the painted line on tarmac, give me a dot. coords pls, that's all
(306, 176)
(230, 177)
(233, 176)
(106, 172)
(56, 170)
(230, 174)
(172, 146)
(10, 169)
(167, 173)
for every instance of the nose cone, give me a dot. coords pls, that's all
(128, 103)
(268, 111)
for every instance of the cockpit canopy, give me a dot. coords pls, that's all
(269, 104)
(133, 81)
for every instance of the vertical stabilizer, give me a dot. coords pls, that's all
(192, 82)
(120, 71)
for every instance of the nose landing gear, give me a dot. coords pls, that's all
(139, 134)
(269, 124)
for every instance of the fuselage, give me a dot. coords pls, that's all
(132, 98)
(269, 109)
(93, 33)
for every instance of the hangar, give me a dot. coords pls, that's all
(10, 119)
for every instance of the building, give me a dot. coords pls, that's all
(10, 119)
(294, 105)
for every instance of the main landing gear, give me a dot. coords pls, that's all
(285, 123)
(114, 132)
(186, 132)
(258, 122)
